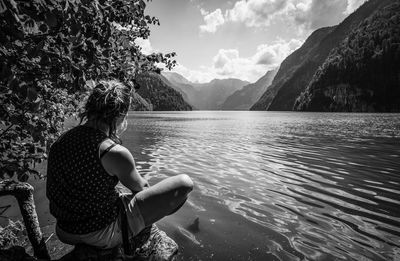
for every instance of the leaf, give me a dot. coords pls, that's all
(90, 84)
(31, 94)
(142, 4)
(18, 43)
(40, 46)
(5, 71)
(51, 19)
(36, 105)
(126, 43)
(31, 27)
(13, 84)
(3, 7)
(23, 177)
(43, 28)
(75, 28)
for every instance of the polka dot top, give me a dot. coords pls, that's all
(82, 194)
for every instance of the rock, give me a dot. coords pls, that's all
(195, 226)
(150, 244)
(15, 253)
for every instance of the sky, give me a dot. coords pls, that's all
(237, 39)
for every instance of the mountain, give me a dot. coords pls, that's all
(291, 66)
(204, 96)
(213, 94)
(140, 104)
(182, 85)
(154, 88)
(300, 67)
(243, 99)
(363, 73)
(174, 77)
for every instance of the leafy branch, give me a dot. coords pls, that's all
(49, 50)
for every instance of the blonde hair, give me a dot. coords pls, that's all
(109, 100)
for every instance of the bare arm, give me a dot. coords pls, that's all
(119, 162)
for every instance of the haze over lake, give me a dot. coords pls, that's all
(277, 185)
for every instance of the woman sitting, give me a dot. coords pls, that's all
(86, 163)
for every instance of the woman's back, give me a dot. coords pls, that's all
(82, 194)
(81, 184)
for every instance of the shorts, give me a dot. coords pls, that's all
(110, 236)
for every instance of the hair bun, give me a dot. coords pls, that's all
(109, 100)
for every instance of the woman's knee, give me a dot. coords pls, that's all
(185, 183)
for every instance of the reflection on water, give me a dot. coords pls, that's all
(270, 186)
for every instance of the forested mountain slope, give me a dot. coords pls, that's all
(162, 97)
(283, 94)
(363, 73)
(243, 99)
(182, 85)
(290, 66)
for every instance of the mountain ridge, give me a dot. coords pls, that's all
(289, 66)
(205, 96)
(281, 96)
(244, 98)
(362, 74)
(158, 94)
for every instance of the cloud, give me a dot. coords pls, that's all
(145, 45)
(353, 5)
(311, 14)
(228, 63)
(256, 13)
(326, 13)
(224, 56)
(275, 53)
(305, 15)
(212, 20)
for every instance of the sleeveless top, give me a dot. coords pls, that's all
(82, 194)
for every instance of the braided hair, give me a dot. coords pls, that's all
(108, 101)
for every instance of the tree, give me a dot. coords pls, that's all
(51, 53)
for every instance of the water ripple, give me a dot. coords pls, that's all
(326, 184)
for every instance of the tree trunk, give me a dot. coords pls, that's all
(23, 192)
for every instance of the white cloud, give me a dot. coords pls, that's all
(224, 56)
(212, 21)
(310, 14)
(228, 63)
(275, 53)
(304, 15)
(256, 13)
(352, 5)
(145, 45)
(325, 13)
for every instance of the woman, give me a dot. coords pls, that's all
(86, 163)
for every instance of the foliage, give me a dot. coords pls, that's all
(51, 52)
(363, 73)
(9, 235)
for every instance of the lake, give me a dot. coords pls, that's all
(277, 185)
(272, 185)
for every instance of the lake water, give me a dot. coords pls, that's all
(271, 185)
(277, 186)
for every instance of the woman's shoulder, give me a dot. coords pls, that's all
(110, 145)
(112, 148)
(115, 158)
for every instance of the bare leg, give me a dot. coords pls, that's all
(164, 198)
